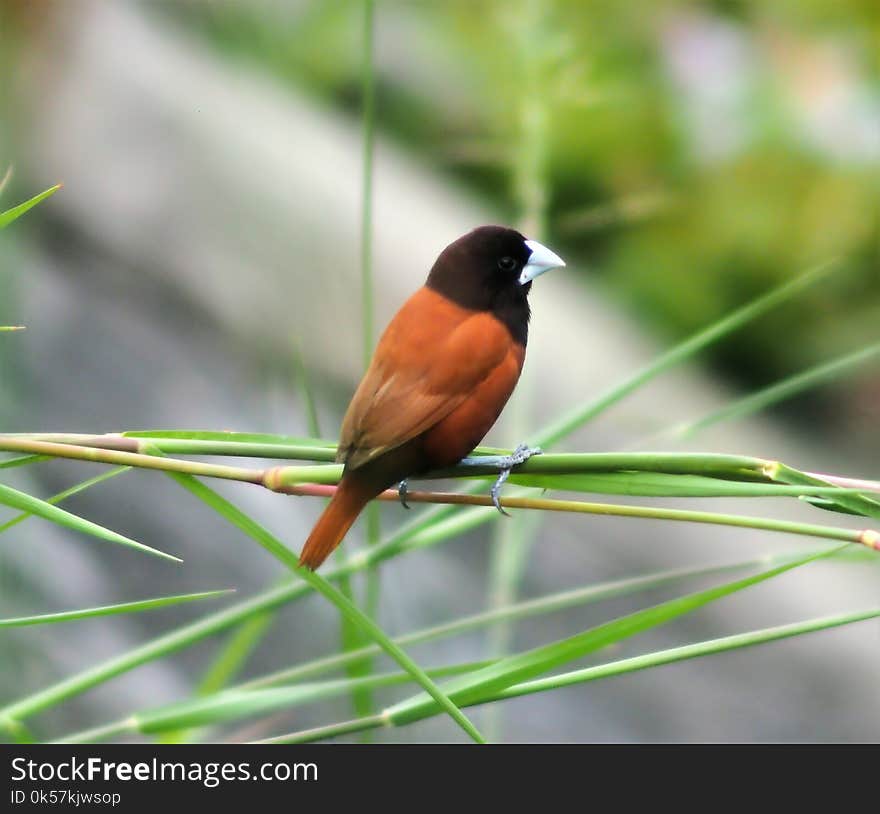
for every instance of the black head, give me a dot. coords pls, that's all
(491, 269)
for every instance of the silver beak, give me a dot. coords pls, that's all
(541, 260)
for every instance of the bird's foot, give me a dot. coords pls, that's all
(505, 463)
(401, 493)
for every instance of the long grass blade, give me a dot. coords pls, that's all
(530, 664)
(610, 669)
(62, 496)
(521, 610)
(275, 547)
(22, 460)
(576, 418)
(31, 505)
(234, 704)
(16, 212)
(111, 610)
(776, 393)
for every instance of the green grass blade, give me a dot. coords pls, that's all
(356, 726)
(31, 505)
(858, 504)
(521, 610)
(7, 175)
(780, 391)
(532, 663)
(363, 702)
(615, 668)
(235, 653)
(213, 436)
(176, 639)
(243, 641)
(661, 484)
(576, 418)
(11, 328)
(690, 651)
(275, 547)
(22, 460)
(306, 392)
(112, 610)
(10, 215)
(231, 705)
(368, 92)
(62, 496)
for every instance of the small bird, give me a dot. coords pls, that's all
(440, 376)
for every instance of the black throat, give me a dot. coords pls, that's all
(509, 304)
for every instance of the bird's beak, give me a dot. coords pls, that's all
(541, 260)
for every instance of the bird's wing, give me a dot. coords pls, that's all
(430, 358)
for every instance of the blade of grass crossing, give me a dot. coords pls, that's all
(363, 701)
(572, 421)
(34, 506)
(62, 496)
(275, 547)
(111, 610)
(532, 663)
(16, 212)
(610, 669)
(780, 391)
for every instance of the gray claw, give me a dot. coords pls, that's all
(519, 456)
(401, 493)
(496, 491)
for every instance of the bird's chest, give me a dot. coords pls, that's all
(455, 436)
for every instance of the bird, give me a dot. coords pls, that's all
(439, 378)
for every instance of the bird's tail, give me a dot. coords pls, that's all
(346, 504)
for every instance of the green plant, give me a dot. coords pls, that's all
(447, 690)
(648, 474)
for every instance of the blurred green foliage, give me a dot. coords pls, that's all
(695, 153)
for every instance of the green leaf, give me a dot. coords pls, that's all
(690, 651)
(22, 460)
(275, 547)
(176, 639)
(858, 503)
(579, 416)
(533, 607)
(234, 704)
(62, 496)
(532, 663)
(236, 437)
(780, 391)
(609, 670)
(10, 215)
(5, 180)
(111, 610)
(661, 484)
(40, 508)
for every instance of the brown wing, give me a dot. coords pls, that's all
(430, 358)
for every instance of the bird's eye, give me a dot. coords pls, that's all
(507, 264)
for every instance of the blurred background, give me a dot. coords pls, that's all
(683, 157)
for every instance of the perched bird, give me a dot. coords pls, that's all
(440, 376)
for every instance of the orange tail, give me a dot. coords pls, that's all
(344, 507)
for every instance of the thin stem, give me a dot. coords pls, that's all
(369, 128)
(274, 479)
(866, 537)
(528, 608)
(568, 423)
(332, 731)
(607, 670)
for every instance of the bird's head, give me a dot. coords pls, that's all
(490, 265)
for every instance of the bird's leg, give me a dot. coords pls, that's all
(504, 463)
(401, 493)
